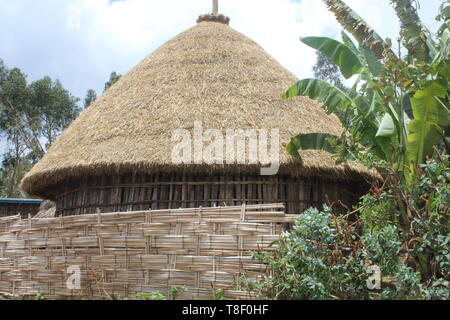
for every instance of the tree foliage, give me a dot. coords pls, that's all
(53, 107)
(90, 98)
(326, 70)
(31, 118)
(114, 77)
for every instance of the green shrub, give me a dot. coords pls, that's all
(318, 259)
(326, 256)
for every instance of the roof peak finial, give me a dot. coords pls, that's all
(214, 16)
(215, 10)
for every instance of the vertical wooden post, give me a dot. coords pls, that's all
(241, 237)
(101, 245)
(2, 249)
(215, 7)
(99, 216)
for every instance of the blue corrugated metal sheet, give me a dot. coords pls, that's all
(20, 201)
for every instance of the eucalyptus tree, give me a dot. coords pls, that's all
(113, 78)
(32, 116)
(90, 98)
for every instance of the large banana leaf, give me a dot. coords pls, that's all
(349, 43)
(411, 30)
(387, 127)
(365, 124)
(311, 141)
(359, 28)
(342, 56)
(335, 99)
(316, 89)
(430, 119)
(444, 44)
(374, 65)
(386, 132)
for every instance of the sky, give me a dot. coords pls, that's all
(80, 42)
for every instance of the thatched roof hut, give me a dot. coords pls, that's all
(118, 154)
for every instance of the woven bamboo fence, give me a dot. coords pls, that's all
(123, 254)
(6, 222)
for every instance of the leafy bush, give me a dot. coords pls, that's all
(326, 256)
(397, 116)
(318, 259)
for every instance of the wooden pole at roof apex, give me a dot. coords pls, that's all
(215, 7)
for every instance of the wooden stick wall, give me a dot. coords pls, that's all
(172, 191)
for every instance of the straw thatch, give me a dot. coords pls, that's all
(47, 210)
(123, 254)
(209, 73)
(214, 18)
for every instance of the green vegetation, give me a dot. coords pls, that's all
(326, 256)
(151, 296)
(326, 70)
(397, 121)
(32, 116)
(90, 98)
(113, 78)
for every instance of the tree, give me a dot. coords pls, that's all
(114, 77)
(31, 118)
(379, 101)
(3, 71)
(54, 107)
(90, 98)
(14, 98)
(326, 70)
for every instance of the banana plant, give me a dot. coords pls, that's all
(399, 121)
(359, 28)
(412, 31)
(366, 125)
(431, 117)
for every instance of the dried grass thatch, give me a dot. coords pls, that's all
(209, 73)
(47, 210)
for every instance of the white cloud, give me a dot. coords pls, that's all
(116, 36)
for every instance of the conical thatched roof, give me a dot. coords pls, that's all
(209, 73)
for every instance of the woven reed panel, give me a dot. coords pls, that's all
(123, 254)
